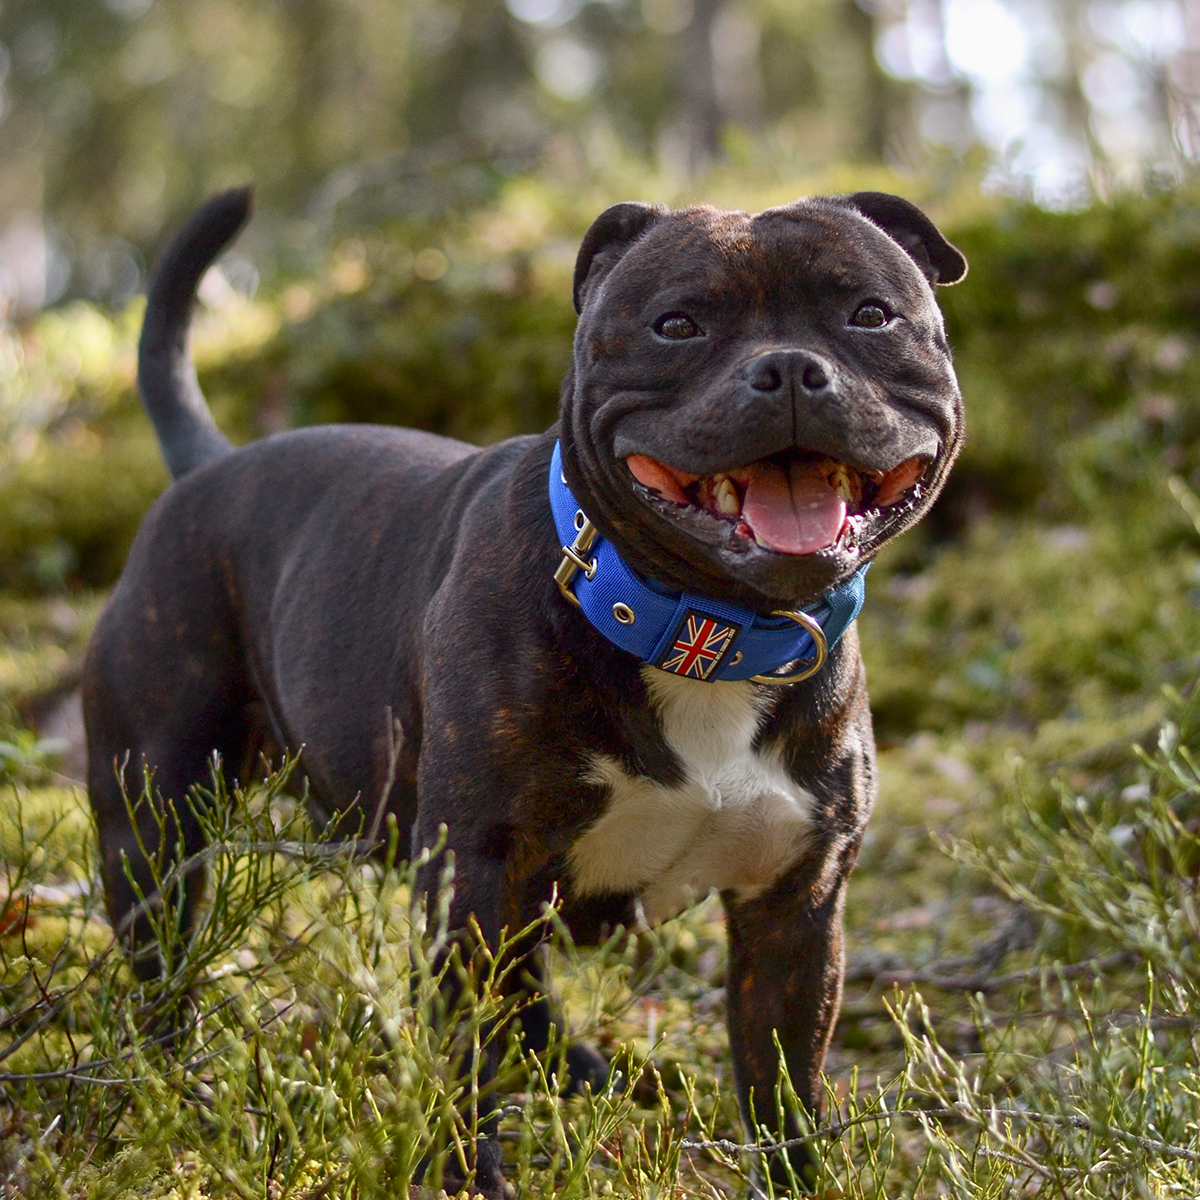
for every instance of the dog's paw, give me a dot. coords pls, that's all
(586, 1066)
(488, 1182)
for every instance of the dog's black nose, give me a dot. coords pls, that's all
(768, 372)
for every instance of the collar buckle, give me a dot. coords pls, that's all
(573, 557)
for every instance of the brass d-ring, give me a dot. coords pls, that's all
(818, 660)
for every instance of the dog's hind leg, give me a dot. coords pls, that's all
(153, 736)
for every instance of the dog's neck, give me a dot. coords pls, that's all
(697, 637)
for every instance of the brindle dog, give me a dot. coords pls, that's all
(755, 405)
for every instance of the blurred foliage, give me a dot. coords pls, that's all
(115, 116)
(1075, 338)
(1057, 575)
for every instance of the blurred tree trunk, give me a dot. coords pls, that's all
(1183, 84)
(701, 108)
(309, 20)
(878, 101)
(1077, 109)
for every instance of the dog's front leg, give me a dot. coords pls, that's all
(784, 989)
(476, 903)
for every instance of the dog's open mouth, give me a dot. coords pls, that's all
(797, 502)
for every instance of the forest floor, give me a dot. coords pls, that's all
(1021, 942)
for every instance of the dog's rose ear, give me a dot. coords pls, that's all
(611, 234)
(905, 223)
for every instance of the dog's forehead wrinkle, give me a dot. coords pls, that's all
(710, 242)
(694, 263)
(846, 234)
(780, 261)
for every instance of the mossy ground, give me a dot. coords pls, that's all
(1043, 622)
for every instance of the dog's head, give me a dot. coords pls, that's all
(758, 403)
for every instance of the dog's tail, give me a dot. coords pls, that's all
(166, 377)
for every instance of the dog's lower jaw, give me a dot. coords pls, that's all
(662, 547)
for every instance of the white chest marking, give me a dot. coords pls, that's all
(737, 820)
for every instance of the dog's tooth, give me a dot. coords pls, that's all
(841, 482)
(726, 495)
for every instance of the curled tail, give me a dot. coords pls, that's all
(166, 378)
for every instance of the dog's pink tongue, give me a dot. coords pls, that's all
(794, 512)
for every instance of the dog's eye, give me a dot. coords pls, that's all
(676, 326)
(870, 316)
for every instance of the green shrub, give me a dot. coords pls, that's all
(1075, 338)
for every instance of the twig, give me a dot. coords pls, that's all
(1028, 1164)
(827, 1131)
(395, 737)
(835, 1130)
(1017, 932)
(931, 975)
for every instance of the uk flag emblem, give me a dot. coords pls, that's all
(698, 646)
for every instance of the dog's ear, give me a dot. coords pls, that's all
(905, 223)
(611, 234)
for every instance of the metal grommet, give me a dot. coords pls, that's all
(580, 519)
(737, 658)
(623, 613)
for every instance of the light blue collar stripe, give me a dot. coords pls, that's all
(762, 644)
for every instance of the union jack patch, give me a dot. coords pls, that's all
(699, 645)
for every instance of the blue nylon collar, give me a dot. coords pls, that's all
(690, 635)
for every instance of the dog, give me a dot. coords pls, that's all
(622, 653)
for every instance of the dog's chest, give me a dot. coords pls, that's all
(737, 820)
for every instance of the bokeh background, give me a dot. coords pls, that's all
(425, 168)
(115, 115)
(424, 172)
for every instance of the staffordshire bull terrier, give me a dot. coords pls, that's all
(622, 653)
